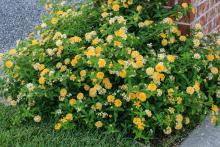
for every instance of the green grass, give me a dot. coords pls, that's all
(43, 135)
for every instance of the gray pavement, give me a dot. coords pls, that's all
(205, 135)
(17, 20)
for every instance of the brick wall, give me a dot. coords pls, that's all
(207, 14)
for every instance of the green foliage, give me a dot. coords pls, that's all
(118, 67)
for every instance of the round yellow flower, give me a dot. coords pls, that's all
(164, 42)
(12, 52)
(215, 108)
(72, 102)
(98, 106)
(75, 39)
(179, 100)
(183, 38)
(159, 67)
(8, 63)
(140, 126)
(214, 70)
(98, 124)
(199, 35)
(63, 92)
(82, 73)
(54, 20)
(72, 77)
(92, 92)
(152, 87)
(142, 96)
(123, 73)
(171, 58)
(118, 103)
(210, 57)
(137, 120)
(178, 126)
(213, 119)
(107, 83)
(163, 35)
(185, 5)
(111, 99)
(100, 75)
(57, 126)
(41, 80)
(139, 8)
(41, 67)
(101, 63)
(69, 117)
(167, 131)
(179, 118)
(80, 96)
(190, 90)
(115, 7)
(60, 12)
(34, 42)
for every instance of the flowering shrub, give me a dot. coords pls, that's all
(114, 67)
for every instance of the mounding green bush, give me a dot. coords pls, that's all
(118, 66)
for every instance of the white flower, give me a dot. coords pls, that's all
(109, 38)
(30, 86)
(196, 42)
(148, 112)
(161, 56)
(162, 50)
(210, 76)
(112, 20)
(58, 65)
(214, 70)
(59, 43)
(43, 25)
(150, 71)
(172, 78)
(197, 56)
(50, 52)
(63, 36)
(58, 111)
(13, 103)
(199, 35)
(121, 20)
(159, 92)
(150, 45)
(90, 35)
(37, 118)
(198, 26)
(141, 25)
(35, 66)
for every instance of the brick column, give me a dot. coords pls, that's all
(207, 14)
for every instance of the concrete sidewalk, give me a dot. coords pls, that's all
(205, 135)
